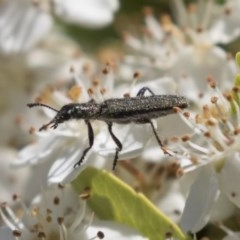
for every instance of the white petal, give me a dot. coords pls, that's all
(11, 180)
(91, 13)
(223, 209)
(152, 153)
(34, 153)
(200, 200)
(132, 136)
(22, 26)
(6, 233)
(62, 170)
(172, 203)
(112, 230)
(230, 178)
(226, 28)
(200, 62)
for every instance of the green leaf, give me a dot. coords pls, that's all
(238, 59)
(235, 95)
(237, 80)
(112, 199)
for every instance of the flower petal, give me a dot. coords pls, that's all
(62, 170)
(200, 200)
(226, 28)
(22, 26)
(230, 177)
(91, 13)
(6, 233)
(132, 136)
(112, 230)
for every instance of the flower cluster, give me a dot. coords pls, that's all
(186, 163)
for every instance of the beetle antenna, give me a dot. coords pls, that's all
(41, 105)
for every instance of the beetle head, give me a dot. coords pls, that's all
(64, 114)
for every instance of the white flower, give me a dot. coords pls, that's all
(213, 147)
(208, 21)
(112, 230)
(196, 64)
(172, 201)
(25, 23)
(11, 181)
(185, 50)
(65, 144)
(60, 214)
(152, 54)
(91, 13)
(22, 25)
(20, 75)
(13, 85)
(199, 203)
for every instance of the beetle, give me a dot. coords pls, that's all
(140, 110)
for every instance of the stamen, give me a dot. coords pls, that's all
(128, 166)
(10, 218)
(17, 199)
(192, 16)
(103, 93)
(91, 94)
(79, 82)
(237, 110)
(85, 194)
(136, 76)
(100, 235)
(62, 229)
(189, 122)
(229, 232)
(180, 12)
(132, 42)
(42, 236)
(152, 25)
(207, 14)
(80, 214)
(97, 90)
(17, 234)
(198, 148)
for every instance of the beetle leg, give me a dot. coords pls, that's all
(118, 143)
(91, 140)
(143, 90)
(157, 138)
(155, 134)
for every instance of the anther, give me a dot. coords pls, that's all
(56, 200)
(214, 99)
(100, 234)
(16, 233)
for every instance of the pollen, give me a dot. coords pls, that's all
(74, 93)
